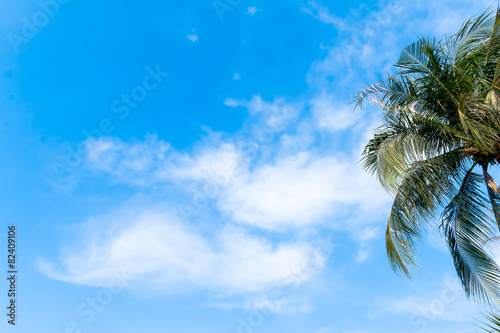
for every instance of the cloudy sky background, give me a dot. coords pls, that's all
(193, 167)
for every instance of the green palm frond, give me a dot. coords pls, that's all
(400, 239)
(467, 230)
(404, 139)
(493, 323)
(421, 192)
(394, 90)
(473, 32)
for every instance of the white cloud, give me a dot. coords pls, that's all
(215, 164)
(368, 233)
(299, 190)
(277, 114)
(156, 250)
(332, 115)
(136, 162)
(252, 10)
(193, 36)
(322, 13)
(258, 105)
(154, 162)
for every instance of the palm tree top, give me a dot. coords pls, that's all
(441, 124)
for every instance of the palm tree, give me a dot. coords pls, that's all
(439, 138)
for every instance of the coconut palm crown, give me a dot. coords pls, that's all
(439, 138)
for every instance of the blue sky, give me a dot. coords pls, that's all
(192, 167)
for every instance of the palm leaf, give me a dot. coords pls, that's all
(493, 323)
(467, 229)
(421, 192)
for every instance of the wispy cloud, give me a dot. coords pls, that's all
(252, 10)
(296, 191)
(159, 252)
(138, 162)
(193, 36)
(332, 115)
(323, 14)
(277, 114)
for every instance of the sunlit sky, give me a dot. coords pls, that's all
(192, 166)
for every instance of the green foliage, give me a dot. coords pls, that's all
(493, 323)
(441, 122)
